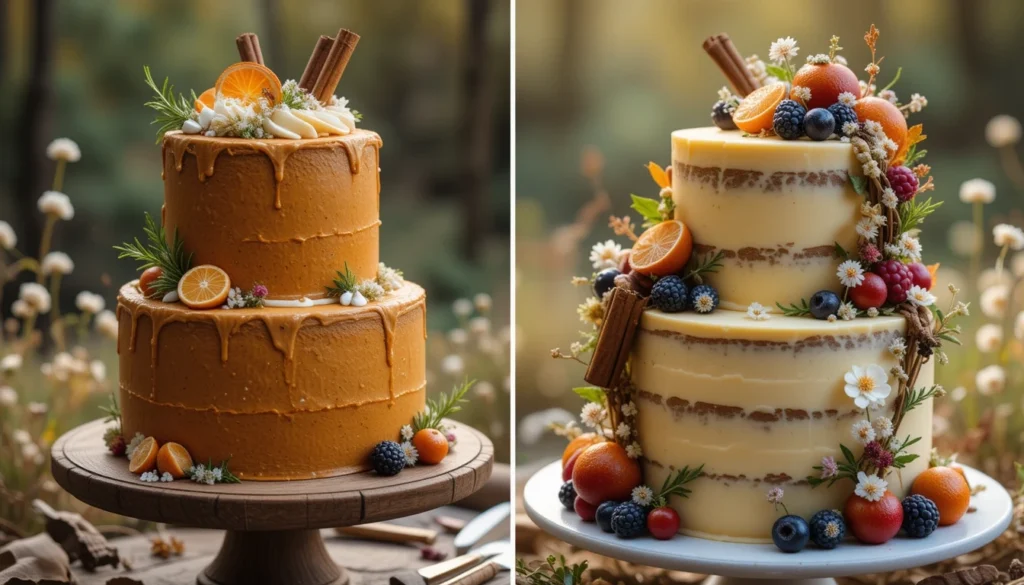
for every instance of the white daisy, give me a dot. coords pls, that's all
(977, 191)
(633, 450)
(867, 385)
(606, 255)
(847, 99)
(889, 198)
(920, 296)
(758, 312)
(850, 128)
(783, 49)
(801, 93)
(990, 380)
(870, 487)
(847, 312)
(850, 273)
(1009, 236)
(910, 247)
(642, 495)
(898, 347)
(592, 415)
(872, 127)
(863, 432)
(411, 454)
(407, 433)
(883, 427)
(629, 409)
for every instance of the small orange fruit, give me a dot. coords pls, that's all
(948, 488)
(248, 82)
(146, 281)
(581, 442)
(889, 116)
(206, 99)
(144, 456)
(174, 459)
(663, 249)
(431, 444)
(204, 287)
(756, 111)
(826, 82)
(603, 472)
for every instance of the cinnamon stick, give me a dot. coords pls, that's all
(739, 61)
(725, 55)
(249, 48)
(337, 59)
(615, 340)
(316, 63)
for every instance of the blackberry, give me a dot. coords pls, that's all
(721, 115)
(898, 280)
(827, 528)
(605, 281)
(788, 120)
(669, 294)
(604, 515)
(790, 533)
(629, 520)
(920, 516)
(388, 458)
(903, 182)
(824, 303)
(843, 114)
(819, 124)
(703, 298)
(567, 495)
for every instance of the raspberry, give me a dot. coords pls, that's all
(788, 121)
(898, 280)
(903, 182)
(669, 294)
(388, 458)
(920, 516)
(843, 114)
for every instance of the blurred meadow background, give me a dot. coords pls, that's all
(432, 78)
(600, 85)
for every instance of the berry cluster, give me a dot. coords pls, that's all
(671, 295)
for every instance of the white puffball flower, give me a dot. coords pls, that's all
(1002, 130)
(989, 337)
(8, 396)
(1009, 236)
(56, 204)
(21, 309)
(10, 363)
(63, 149)
(992, 277)
(8, 239)
(36, 296)
(990, 380)
(89, 302)
(977, 191)
(994, 301)
(452, 364)
(462, 307)
(483, 302)
(106, 323)
(963, 238)
(57, 263)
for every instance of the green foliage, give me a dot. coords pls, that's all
(859, 184)
(894, 80)
(113, 411)
(840, 252)
(914, 212)
(794, 310)
(171, 110)
(675, 485)
(914, 155)
(846, 468)
(782, 73)
(647, 208)
(437, 410)
(171, 258)
(343, 283)
(917, 396)
(707, 264)
(553, 571)
(591, 394)
(225, 474)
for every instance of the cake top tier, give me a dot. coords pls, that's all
(732, 149)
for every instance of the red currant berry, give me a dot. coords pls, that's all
(920, 275)
(871, 293)
(585, 510)
(663, 523)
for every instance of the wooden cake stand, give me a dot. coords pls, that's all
(272, 527)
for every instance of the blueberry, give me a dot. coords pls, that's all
(721, 115)
(791, 533)
(819, 124)
(605, 281)
(827, 528)
(824, 303)
(604, 515)
(567, 495)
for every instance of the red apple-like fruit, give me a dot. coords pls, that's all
(146, 281)
(920, 275)
(569, 465)
(663, 523)
(874, 522)
(869, 294)
(605, 472)
(585, 510)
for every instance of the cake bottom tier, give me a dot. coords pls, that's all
(281, 393)
(759, 404)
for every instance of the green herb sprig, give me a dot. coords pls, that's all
(225, 474)
(553, 571)
(794, 310)
(171, 258)
(675, 485)
(914, 212)
(345, 282)
(707, 264)
(171, 110)
(436, 411)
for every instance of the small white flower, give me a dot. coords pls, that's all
(592, 415)
(89, 302)
(758, 312)
(462, 308)
(56, 204)
(36, 296)
(977, 191)
(452, 364)
(867, 385)
(850, 128)
(889, 198)
(847, 312)
(872, 312)
(149, 477)
(389, 278)
(10, 363)
(872, 69)
(775, 495)
(899, 373)
(832, 318)
(21, 437)
(725, 94)
(411, 454)
(166, 477)
(8, 396)
(920, 296)
(898, 347)
(871, 488)
(458, 336)
(889, 96)
(106, 323)
(633, 450)
(819, 59)
(801, 93)
(883, 427)
(623, 431)
(8, 239)
(850, 273)
(863, 432)
(606, 255)
(1002, 131)
(783, 49)
(847, 99)
(917, 102)
(871, 169)
(134, 444)
(873, 127)
(63, 149)
(990, 380)
(482, 302)
(1010, 236)
(480, 325)
(407, 433)
(367, 290)
(216, 473)
(994, 301)
(910, 247)
(629, 409)
(642, 495)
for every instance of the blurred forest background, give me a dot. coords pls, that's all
(600, 85)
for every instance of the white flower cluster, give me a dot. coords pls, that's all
(33, 298)
(907, 247)
(388, 278)
(1002, 131)
(977, 191)
(202, 474)
(154, 476)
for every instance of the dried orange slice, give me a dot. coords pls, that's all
(204, 287)
(173, 459)
(206, 99)
(248, 82)
(755, 111)
(663, 249)
(144, 456)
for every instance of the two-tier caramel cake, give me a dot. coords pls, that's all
(286, 381)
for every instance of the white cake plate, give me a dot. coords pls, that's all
(747, 564)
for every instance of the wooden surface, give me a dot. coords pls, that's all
(367, 563)
(82, 466)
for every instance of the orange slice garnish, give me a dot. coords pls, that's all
(206, 99)
(663, 249)
(756, 111)
(173, 459)
(248, 82)
(204, 287)
(144, 456)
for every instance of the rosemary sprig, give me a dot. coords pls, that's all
(171, 110)
(675, 485)
(553, 571)
(918, 396)
(345, 282)
(914, 212)
(437, 410)
(171, 258)
(795, 310)
(706, 264)
(113, 411)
